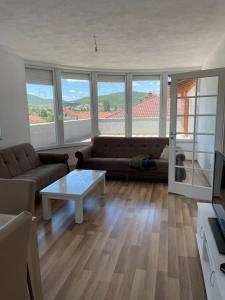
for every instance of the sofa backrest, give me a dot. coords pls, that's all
(17, 159)
(126, 147)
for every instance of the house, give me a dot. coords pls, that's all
(112, 124)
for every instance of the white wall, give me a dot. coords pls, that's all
(13, 107)
(217, 58)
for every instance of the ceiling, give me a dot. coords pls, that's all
(131, 34)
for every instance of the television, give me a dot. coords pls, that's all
(218, 201)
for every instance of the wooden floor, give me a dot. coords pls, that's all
(140, 245)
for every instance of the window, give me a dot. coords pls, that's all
(90, 103)
(41, 106)
(76, 107)
(145, 105)
(111, 105)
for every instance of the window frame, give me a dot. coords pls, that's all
(55, 102)
(93, 77)
(60, 104)
(96, 86)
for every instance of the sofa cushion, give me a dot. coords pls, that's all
(45, 174)
(121, 164)
(4, 170)
(30, 155)
(8, 160)
(113, 164)
(17, 159)
(125, 147)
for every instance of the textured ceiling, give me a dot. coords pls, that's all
(130, 34)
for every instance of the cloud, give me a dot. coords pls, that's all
(65, 97)
(72, 91)
(135, 83)
(75, 80)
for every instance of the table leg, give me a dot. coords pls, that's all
(47, 209)
(79, 215)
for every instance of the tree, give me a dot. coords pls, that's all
(106, 105)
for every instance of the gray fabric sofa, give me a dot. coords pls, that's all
(21, 162)
(113, 154)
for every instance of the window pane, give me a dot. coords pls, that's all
(185, 106)
(206, 124)
(184, 158)
(185, 125)
(204, 161)
(203, 177)
(184, 145)
(111, 105)
(145, 107)
(186, 88)
(76, 107)
(183, 175)
(204, 142)
(208, 86)
(41, 102)
(206, 106)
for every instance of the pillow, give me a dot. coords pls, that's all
(165, 153)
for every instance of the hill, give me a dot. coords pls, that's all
(38, 101)
(116, 100)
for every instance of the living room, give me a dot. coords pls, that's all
(111, 147)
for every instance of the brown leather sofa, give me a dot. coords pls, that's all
(21, 162)
(113, 154)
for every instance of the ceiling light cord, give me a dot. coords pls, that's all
(95, 43)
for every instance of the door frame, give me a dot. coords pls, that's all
(198, 192)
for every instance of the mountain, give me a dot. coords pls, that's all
(116, 100)
(37, 101)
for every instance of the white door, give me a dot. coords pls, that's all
(196, 131)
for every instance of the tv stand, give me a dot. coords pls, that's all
(219, 239)
(209, 254)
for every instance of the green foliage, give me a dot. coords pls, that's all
(106, 105)
(112, 102)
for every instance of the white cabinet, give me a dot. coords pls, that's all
(209, 254)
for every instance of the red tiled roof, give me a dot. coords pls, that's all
(84, 115)
(35, 119)
(149, 107)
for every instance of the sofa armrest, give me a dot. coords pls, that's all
(17, 195)
(52, 158)
(84, 153)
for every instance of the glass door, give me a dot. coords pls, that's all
(197, 100)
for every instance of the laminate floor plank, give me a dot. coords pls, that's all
(139, 243)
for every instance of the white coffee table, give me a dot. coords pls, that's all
(74, 186)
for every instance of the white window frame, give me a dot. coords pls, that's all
(56, 102)
(93, 74)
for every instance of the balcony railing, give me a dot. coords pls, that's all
(44, 134)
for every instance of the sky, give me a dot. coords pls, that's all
(73, 89)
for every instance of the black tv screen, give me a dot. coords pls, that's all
(218, 201)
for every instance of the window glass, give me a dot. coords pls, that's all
(76, 107)
(145, 105)
(111, 105)
(41, 107)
